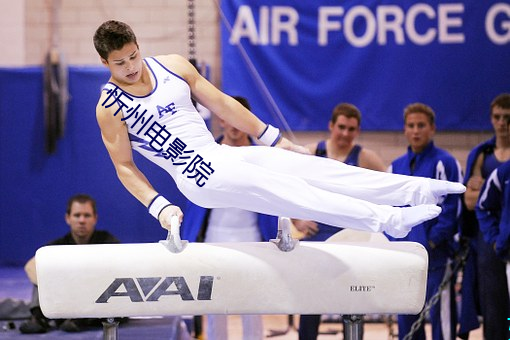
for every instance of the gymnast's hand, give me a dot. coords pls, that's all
(308, 228)
(286, 144)
(166, 215)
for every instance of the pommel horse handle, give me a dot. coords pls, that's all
(173, 240)
(284, 240)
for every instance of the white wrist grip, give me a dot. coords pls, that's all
(157, 205)
(270, 136)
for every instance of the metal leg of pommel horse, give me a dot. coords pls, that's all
(352, 324)
(110, 329)
(353, 327)
(284, 242)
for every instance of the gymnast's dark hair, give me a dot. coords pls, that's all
(112, 35)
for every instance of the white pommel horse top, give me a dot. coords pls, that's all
(339, 276)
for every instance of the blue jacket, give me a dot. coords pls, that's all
(486, 146)
(435, 163)
(493, 210)
(469, 223)
(195, 217)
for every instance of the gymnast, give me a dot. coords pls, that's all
(147, 106)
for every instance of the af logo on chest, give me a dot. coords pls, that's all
(163, 110)
(152, 288)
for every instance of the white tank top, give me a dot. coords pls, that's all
(232, 225)
(163, 126)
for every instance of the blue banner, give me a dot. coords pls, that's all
(295, 60)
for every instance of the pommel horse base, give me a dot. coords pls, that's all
(352, 278)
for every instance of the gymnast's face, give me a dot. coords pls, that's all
(125, 64)
(419, 131)
(344, 131)
(82, 221)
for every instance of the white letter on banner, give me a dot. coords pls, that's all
(446, 22)
(350, 17)
(278, 25)
(386, 25)
(244, 26)
(325, 25)
(264, 25)
(412, 13)
(490, 18)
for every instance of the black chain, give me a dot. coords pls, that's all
(191, 30)
(459, 263)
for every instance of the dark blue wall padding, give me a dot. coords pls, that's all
(35, 185)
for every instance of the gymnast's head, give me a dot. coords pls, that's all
(116, 44)
(112, 36)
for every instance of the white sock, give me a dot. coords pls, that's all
(442, 188)
(412, 216)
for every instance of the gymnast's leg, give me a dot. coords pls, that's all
(254, 188)
(374, 186)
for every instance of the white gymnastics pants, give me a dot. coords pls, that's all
(278, 182)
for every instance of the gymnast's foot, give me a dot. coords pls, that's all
(437, 190)
(442, 188)
(412, 216)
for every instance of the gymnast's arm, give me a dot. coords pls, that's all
(474, 184)
(224, 106)
(115, 138)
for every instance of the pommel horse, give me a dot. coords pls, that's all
(173, 277)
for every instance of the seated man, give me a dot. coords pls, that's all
(81, 216)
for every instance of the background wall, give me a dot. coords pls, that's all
(35, 185)
(161, 27)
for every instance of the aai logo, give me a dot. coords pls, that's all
(152, 288)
